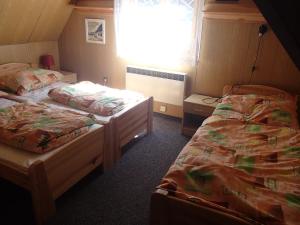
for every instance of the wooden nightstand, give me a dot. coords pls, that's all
(69, 77)
(195, 109)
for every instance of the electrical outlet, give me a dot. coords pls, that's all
(163, 108)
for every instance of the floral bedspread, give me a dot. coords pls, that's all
(94, 98)
(271, 110)
(244, 160)
(38, 128)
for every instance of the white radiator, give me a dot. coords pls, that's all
(166, 87)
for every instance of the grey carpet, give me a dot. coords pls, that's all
(120, 196)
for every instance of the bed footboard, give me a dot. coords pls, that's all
(47, 179)
(169, 210)
(131, 124)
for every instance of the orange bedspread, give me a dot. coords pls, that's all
(94, 98)
(245, 160)
(39, 128)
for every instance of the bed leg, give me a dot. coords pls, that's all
(117, 141)
(42, 199)
(150, 115)
(158, 213)
(109, 146)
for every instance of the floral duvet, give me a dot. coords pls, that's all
(244, 160)
(38, 128)
(93, 98)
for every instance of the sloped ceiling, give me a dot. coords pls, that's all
(23, 21)
(284, 17)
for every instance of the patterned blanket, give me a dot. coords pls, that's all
(38, 128)
(244, 160)
(94, 98)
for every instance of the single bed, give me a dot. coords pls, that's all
(133, 121)
(241, 167)
(49, 175)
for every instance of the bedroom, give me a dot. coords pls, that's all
(180, 62)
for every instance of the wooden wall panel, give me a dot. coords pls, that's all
(29, 52)
(25, 21)
(52, 20)
(91, 61)
(226, 55)
(18, 20)
(228, 50)
(275, 67)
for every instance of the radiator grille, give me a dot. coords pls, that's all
(156, 73)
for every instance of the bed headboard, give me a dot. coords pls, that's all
(252, 89)
(29, 52)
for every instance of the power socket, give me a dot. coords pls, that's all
(163, 108)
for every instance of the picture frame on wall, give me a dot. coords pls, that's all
(95, 31)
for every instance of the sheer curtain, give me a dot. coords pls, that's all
(157, 32)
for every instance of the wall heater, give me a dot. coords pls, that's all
(164, 86)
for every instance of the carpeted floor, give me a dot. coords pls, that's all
(117, 197)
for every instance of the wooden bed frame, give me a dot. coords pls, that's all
(48, 179)
(70, 165)
(122, 128)
(130, 124)
(169, 210)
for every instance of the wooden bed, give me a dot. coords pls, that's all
(130, 123)
(119, 129)
(172, 207)
(49, 175)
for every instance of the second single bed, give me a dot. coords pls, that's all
(241, 166)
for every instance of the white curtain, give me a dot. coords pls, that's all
(158, 32)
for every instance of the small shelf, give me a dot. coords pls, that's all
(195, 109)
(94, 9)
(241, 10)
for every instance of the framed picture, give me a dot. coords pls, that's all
(95, 31)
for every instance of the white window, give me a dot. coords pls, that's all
(157, 32)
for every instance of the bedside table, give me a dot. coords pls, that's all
(69, 77)
(195, 109)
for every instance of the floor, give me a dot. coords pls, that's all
(120, 196)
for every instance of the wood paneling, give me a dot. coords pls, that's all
(32, 20)
(52, 20)
(275, 67)
(91, 61)
(226, 56)
(228, 50)
(171, 110)
(29, 53)
(229, 46)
